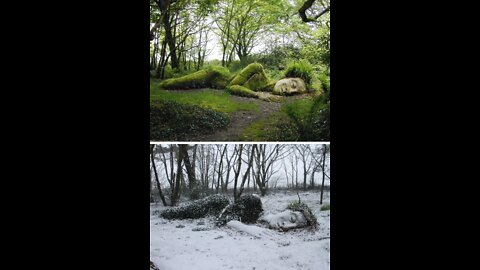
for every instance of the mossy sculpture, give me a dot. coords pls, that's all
(213, 77)
(252, 81)
(247, 209)
(211, 205)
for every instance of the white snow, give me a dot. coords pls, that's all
(241, 246)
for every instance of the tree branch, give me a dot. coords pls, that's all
(308, 4)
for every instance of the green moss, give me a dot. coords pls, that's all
(213, 77)
(300, 69)
(241, 91)
(325, 207)
(256, 82)
(268, 87)
(248, 72)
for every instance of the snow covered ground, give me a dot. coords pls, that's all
(197, 244)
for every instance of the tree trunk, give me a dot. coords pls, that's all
(176, 190)
(192, 182)
(156, 176)
(237, 171)
(247, 173)
(324, 154)
(170, 38)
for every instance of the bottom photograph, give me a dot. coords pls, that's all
(239, 206)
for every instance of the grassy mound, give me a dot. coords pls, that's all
(247, 209)
(211, 205)
(172, 121)
(211, 77)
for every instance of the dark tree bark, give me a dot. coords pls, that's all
(237, 170)
(165, 6)
(303, 11)
(247, 173)
(324, 155)
(156, 175)
(192, 182)
(176, 190)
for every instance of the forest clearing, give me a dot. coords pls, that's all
(240, 206)
(226, 70)
(199, 244)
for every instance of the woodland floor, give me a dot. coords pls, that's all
(240, 119)
(199, 244)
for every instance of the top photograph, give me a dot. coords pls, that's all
(240, 70)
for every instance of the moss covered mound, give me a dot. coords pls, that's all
(247, 209)
(252, 77)
(211, 77)
(211, 205)
(241, 91)
(172, 121)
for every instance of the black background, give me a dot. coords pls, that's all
(77, 130)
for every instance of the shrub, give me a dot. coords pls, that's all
(311, 117)
(325, 207)
(172, 121)
(300, 69)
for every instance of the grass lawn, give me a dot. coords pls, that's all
(207, 98)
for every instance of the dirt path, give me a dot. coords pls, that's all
(239, 120)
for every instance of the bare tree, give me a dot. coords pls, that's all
(265, 157)
(154, 167)
(320, 157)
(303, 150)
(250, 153)
(190, 168)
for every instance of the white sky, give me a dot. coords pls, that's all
(280, 174)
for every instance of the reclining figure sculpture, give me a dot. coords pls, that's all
(252, 81)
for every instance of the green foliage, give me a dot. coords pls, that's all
(300, 206)
(301, 69)
(172, 121)
(325, 207)
(311, 117)
(325, 81)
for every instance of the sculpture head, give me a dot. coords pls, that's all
(285, 220)
(289, 86)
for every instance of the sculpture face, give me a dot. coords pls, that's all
(289, 86)
(285, 220)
